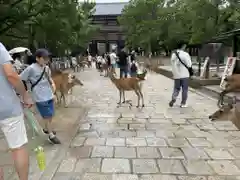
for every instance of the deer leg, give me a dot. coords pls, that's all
(141, 94)
(221, 97)
(120, 97)
(138, 95)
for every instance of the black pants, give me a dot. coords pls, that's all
(123, 70)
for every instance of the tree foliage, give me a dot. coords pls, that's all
(164, 22)
(59, 25)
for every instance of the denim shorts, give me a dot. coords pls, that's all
(46, 108)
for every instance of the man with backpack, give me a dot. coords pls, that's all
(181, 63)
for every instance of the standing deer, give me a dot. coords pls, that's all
(128, 84)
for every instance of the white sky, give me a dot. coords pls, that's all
(100, 1)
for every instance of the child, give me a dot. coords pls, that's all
(42, 87)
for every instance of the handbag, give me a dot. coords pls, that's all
(190, 69)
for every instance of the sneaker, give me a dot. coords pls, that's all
(183, 105)
(171, 103)
(46, 132)
(54, 140)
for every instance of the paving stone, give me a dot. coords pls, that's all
(115, 142)
(198, 167)
(199, 142)
(157, 177)
(78, 141)
(146, 134)
(179, 121)
(194, 153)
(88, 165)
(80, 152)
(144, 166)
(124, 177)
(184, 133)
(94, 141)
(67, 165)
(235, 152)
(116, 166)
(164, 134)
(136, 142)
(223, 178)
(192, 178)
(224, 167)
(127, 134)
(137, 126)
(217, 153)
(102, 151)
(171, 166)
(125, 152)
(160, 121)
(96, 176)
(147, 152)
(178, 142)
(158, 142)
(171, 153)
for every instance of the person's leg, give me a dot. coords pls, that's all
(184, 84)
(126, 72)
(16, 136)
(121, 72)
(46, 109)
(176, 90)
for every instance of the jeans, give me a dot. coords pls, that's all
(178, 84)
(123, 70)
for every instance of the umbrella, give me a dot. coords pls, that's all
(18, 50)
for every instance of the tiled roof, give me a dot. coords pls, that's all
(109, 8)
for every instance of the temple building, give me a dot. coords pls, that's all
(110, 33)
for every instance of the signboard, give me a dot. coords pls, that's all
(228, 70)
(203, 72)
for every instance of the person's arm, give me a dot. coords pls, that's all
(187, 60)
(8, 69)
(51, 80)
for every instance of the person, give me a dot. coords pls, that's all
(42, 86)
(99, 60)
(123, 63)
(89, 60)
(17, 63)
(11, 113)
(113, 59)
(180, 74)
(30, 59)
(133, 68)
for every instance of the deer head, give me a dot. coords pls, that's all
(222, 114)
(74, 80)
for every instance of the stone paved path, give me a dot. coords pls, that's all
(153, 143)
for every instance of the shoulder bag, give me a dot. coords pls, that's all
(190, 69)
(40, 78)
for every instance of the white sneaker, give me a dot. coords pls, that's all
(183, 105)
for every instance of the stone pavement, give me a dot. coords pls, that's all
(153, 143)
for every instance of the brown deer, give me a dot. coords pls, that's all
(233, 85)
(64, 83)
(128, 84)
(227, 112)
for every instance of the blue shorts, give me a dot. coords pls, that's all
(46, 108)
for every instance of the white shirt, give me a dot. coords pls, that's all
(113, 58)
(178, 69)
(90, 58)
(99, 59)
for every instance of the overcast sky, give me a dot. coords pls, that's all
(99, 1)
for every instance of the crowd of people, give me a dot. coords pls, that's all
(124, 61)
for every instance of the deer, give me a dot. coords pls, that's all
(64, 83)
(233, 85)
(127, 84)
(227, 112)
